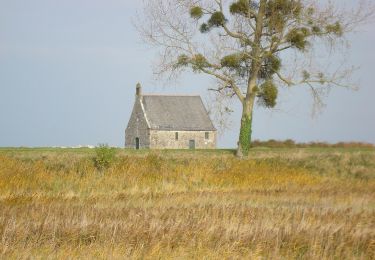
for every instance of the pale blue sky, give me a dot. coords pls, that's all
(68, 70)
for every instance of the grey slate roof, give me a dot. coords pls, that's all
(181, 113)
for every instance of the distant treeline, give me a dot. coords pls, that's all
(289, 143)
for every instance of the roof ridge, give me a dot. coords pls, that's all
(171, 95)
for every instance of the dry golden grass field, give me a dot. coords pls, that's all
(285, 203)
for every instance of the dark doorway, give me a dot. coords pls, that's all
(191, 144)
(137, 143)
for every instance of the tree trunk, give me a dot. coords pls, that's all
(244, 139)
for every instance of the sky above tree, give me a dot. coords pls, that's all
(68, 71)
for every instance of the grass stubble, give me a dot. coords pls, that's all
(279, 203)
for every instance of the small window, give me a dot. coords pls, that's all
(206, 135)
(176, 136)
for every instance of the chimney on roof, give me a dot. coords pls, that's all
(138, 91)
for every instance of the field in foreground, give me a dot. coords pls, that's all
(279, 203)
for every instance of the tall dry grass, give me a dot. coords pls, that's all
(296, 203)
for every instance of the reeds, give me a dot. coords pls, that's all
(295, 204)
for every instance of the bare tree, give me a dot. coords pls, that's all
(250, 47)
